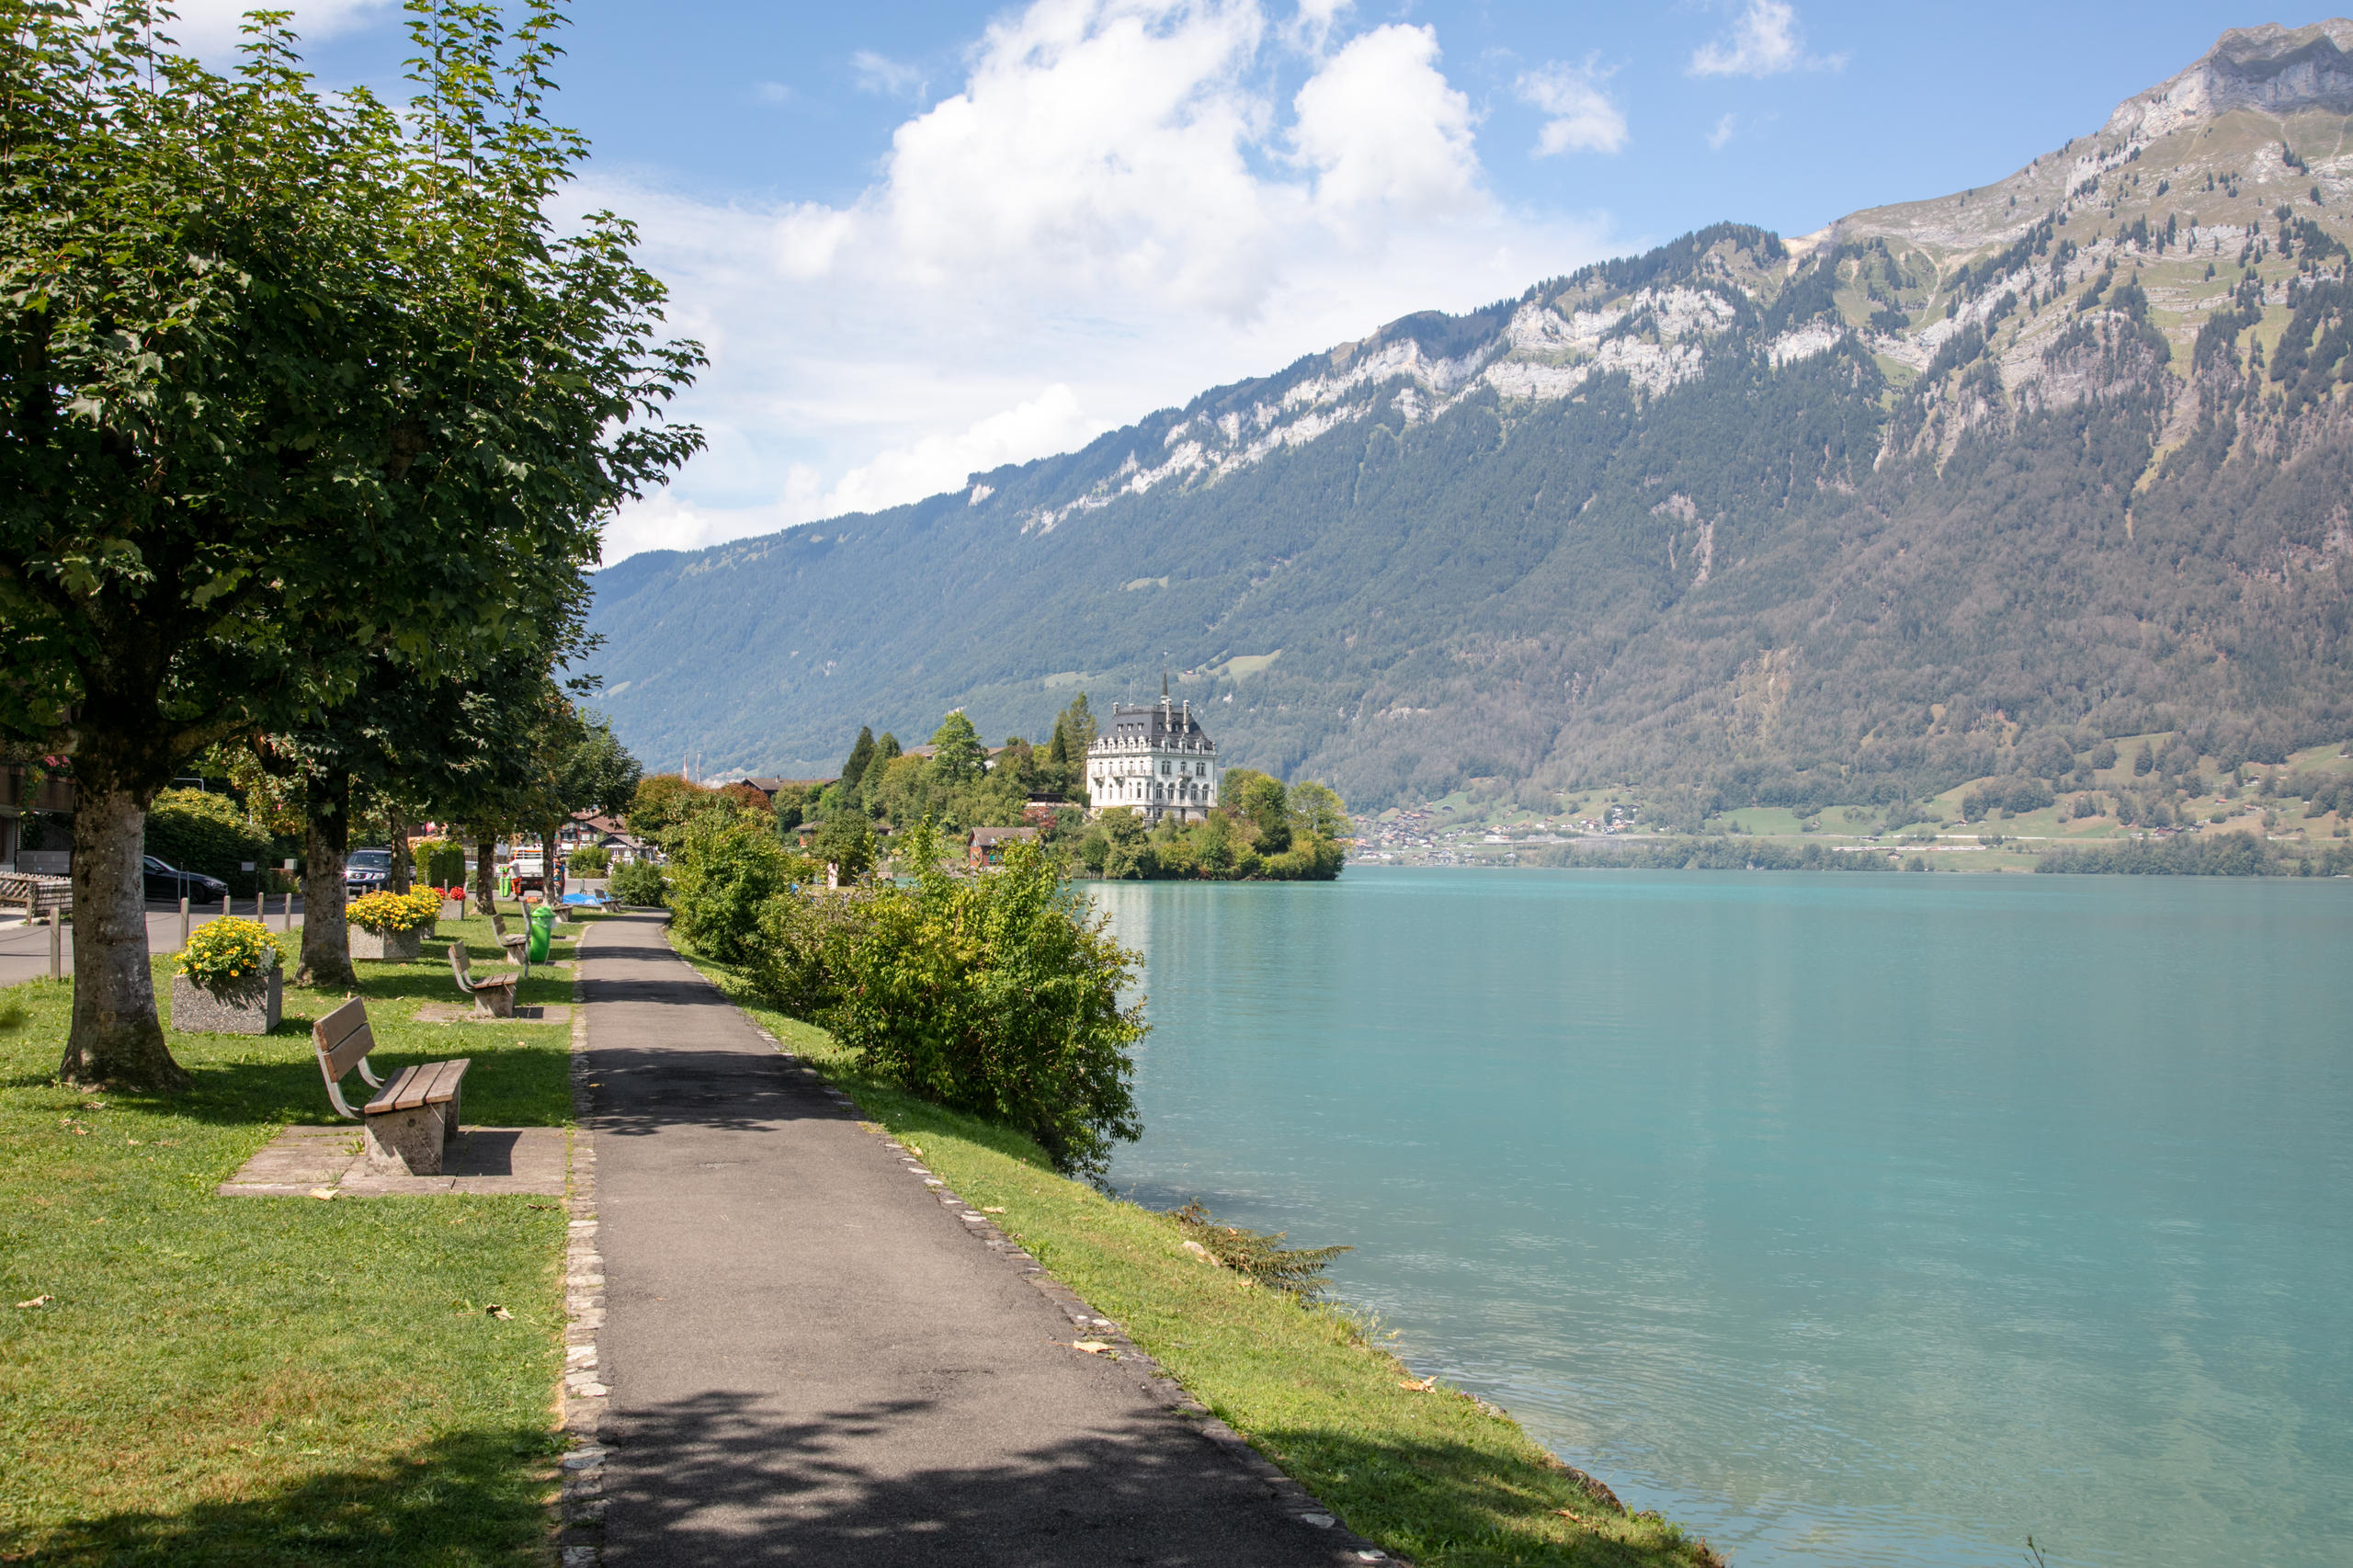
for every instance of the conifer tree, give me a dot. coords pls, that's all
(861, 757)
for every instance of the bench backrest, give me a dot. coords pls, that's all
(462, 965)
(343, 1040)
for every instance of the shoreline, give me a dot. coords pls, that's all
(1429, 1473)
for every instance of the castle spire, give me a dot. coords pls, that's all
(1163, 680)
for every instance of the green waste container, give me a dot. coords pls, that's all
(542, 931)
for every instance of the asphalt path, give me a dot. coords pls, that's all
(812, 1362)
(24, 949)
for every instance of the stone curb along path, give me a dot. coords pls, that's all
(582, 1504)
(581, 1406)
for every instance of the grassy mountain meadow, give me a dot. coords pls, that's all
(1948, 490)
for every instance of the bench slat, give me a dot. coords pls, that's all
(427, 1083)
(389, 1097)
(343, 1036)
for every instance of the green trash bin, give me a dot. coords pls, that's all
(542, 931)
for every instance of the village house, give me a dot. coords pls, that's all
(1155, 759)
(587, 828)
(989, 844)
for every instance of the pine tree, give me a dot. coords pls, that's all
(861, 757)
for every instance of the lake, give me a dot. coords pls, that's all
(1846, 1219)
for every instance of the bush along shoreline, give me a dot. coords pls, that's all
(976, 1016)
(2228, 854)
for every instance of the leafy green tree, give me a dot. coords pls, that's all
(956, 754)
(843, 843)
(1261, 802)
(723, 868)
(663, 803)
(285, 381)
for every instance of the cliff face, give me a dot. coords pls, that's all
(1849, 514)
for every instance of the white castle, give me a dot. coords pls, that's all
(1156, 759)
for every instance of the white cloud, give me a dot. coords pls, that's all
(212, 27)
(1113, 213)
(1579, 116)
(1766, 41)
(1050, 422)
(1723, 132)
(1383, 131)
(890, 78)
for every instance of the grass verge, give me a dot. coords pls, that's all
(1427, 1472)
(273, 1380)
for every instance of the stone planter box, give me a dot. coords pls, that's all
(198, 1011)
(400, 947)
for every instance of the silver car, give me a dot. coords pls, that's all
(366, 871)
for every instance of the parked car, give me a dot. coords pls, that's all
(366, 871)
(169, 882)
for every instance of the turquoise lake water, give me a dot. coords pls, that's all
(1846, 1219)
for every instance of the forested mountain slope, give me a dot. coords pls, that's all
(1848, 517)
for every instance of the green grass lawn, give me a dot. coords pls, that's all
(1431, 1475)
(273, 1380)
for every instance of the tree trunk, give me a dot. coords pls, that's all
(486, 872)
(326, 936)
(117, 1039)
(548, 862)
(403, 875)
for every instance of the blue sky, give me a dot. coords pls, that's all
(921, 239)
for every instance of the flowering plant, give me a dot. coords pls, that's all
(395, 910)
(228, 956)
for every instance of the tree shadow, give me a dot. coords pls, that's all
(727, 1477)
(468, 1497)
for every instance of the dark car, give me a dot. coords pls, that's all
(170, 883)
(366, 871)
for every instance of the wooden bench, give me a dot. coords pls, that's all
(517, 943)
(494, 994)
(413, 1118)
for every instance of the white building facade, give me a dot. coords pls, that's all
(1156, 760)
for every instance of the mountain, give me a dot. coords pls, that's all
(1861, 515)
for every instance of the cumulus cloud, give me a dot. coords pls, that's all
(1579, 116)
(1385, 135)
(1766, 41)
(1113, 212)
(1723, 132)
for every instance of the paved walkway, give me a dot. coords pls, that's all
(24, 949)
(812, 1360)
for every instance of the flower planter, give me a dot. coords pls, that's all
(399, 946)
(254, 1009)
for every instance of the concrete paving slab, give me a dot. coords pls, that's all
(487, 1161)
(814, 1360)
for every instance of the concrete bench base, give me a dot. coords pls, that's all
(410, 1142)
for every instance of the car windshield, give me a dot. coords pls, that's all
(371, 860)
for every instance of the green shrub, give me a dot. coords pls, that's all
(590, 860)
(994, 992)
(723, 870)
(640, 884)
(804, 948)
(196, 831)
(439, 863)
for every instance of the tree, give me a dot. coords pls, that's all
(286, 381)
(956, 754)
(861, 756)
(661, 803)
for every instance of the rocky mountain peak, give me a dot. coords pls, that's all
(2276, 70)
